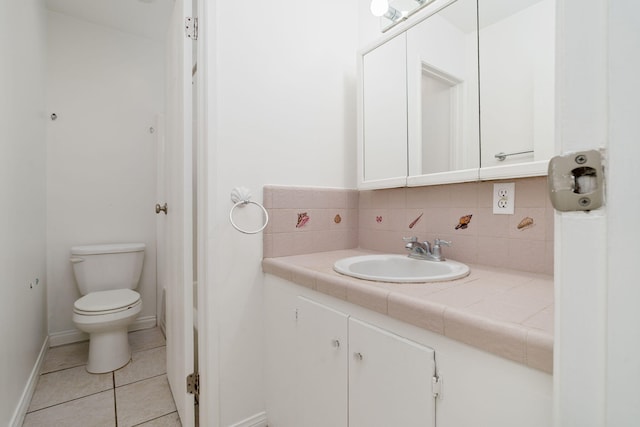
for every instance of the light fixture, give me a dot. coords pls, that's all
(382, 8)
(379, 7)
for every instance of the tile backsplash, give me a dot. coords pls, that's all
(306, 220)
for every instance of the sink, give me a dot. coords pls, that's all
(400, 269)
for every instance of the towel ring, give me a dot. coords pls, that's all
(242, 197)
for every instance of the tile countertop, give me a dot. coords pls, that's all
(505, 312)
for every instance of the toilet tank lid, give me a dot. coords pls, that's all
(112, 248)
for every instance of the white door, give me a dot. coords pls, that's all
(177, 268)
(390, 379)
(322, 365)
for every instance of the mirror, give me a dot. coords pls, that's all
(469, 103)
(517, 69)
(442, 96)
(384, 127)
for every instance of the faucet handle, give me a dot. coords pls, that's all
(439, 242)
(412, 239)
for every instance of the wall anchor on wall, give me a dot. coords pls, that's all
(54, 116)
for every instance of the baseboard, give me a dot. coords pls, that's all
(74, 335)
(258, 420)
(146, 322)
(67, 337)
(21, 410)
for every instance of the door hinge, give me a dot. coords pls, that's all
(436, 386)
(193, 384)
(191, 27)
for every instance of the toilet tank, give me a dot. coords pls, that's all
(107, 267)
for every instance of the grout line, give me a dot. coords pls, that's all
(156, 418)
(139, 381)
(67, 401)
(115, 401)
(66, 368)
(149, 348)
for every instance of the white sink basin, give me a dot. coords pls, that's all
(400, 269)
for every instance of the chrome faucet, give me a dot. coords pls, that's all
(423, 250)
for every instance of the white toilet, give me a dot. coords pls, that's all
(107, 276)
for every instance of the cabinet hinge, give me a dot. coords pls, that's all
(191, 27)
(436, 386)
(193, 384)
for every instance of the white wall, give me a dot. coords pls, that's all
(106, 87)
(282, 88)
(22, 191)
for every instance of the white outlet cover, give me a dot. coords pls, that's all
(504, 198)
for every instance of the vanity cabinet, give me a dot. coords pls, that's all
(351, 373)
(329, 362)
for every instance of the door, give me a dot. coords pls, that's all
(322, 365)
(177, 248)
(390, 379)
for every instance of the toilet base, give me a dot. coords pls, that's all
(108, 350)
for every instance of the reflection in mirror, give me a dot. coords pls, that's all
(517, 51)
(442, 94)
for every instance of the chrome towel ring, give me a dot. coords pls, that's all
(241, 197)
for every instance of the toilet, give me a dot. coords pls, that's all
(107, 276)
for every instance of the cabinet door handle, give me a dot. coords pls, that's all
(336, 343)
(358, 356)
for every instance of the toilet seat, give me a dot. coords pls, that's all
(106, 302)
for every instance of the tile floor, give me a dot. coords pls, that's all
(136, 395)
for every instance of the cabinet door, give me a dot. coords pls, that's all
(389, 379)
(322, 365)
(384, 103)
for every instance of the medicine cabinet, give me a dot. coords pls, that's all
(463, 93)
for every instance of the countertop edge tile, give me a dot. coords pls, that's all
(500, 338)
(424, 314)
(367, 296)
(331, 285)
(539, 351)
(277, 268)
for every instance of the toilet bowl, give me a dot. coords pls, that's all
(107, 326)
(106, 276)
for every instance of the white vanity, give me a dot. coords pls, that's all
(347, 352)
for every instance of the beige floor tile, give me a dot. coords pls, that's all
(144, 401)
(66, 385)
(144, 364)
(146, 339)
(171, 420)
(96, 410)
(66, 356)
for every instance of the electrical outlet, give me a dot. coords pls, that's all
(504, 197)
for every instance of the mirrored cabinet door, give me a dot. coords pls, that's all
(384, 114)
(442, 96)
(517, 68)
